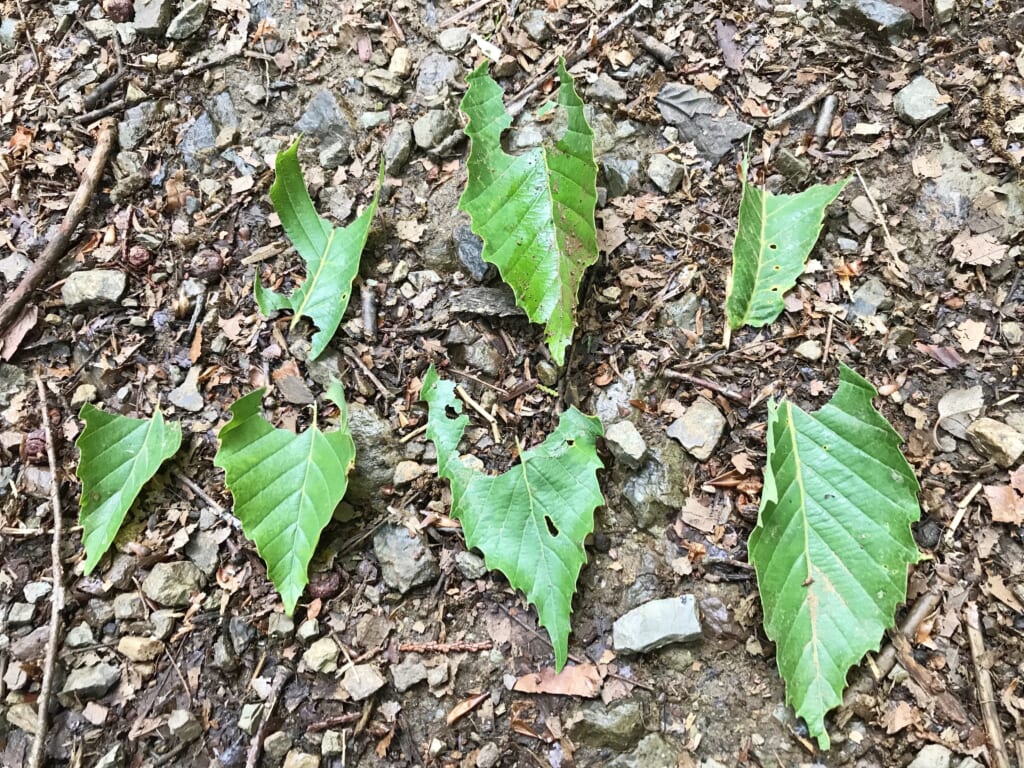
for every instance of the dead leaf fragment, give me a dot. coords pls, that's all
(574, 680)
(958, 408)
(978, 250)
(970, 334)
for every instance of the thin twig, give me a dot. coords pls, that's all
(459, 646)
(469, 9)
(807, 103)
(479, 409)
(700, 381)
(209, 500)
(886, 660)
(520, 99)
(57, 593)
(281, 678)
(385, 393)
(986, 694)
(58, 245)
(899, 266)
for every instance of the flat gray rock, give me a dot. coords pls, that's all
(93, 286)
(883, 21)
(699, 429)
(89, 683)
(656, 624)
(626, 443)
(919, 102)
(405, 561)
(172, 584)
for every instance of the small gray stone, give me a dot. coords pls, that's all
(199, 139)
(653, 751)
(332, 744)
(370, 120)
(699, 429)
(183, 726)
(535, 25)
(407, 471)
(656, 624)
(141, 649)
(249, 718)
(997, 441)
(626, 443)
(405, 561)
(376, 456)
(470, 247)
(811, 350)
(666, 174)
(919, 102)
(870, 298)
(162, 622)
(325, 120)
(607, 91)
(36, 590)
(617, 727)
(84, 393)
(10, 30)
(241, 632)
(621, 174)
(453, 39)
(203, 550)
(93, 286)
(944, 12)
(362, 681)
(151, 16)
(397, 148)
(437, 73)
(334, 155)
(136, 124)
(276, 746)
(385, 81)
(189, 19)
(32, 646)
(129, 606)
(932, 756)
(280, 626)
(433, 128)
(14, 266)
(307, 630)
(79, 636)
(471, 566)
(882, 20)
(89, 683)
(171, 584)
(187, 395)
(112, 758)
(401, 61)
(21, 614)
(408, 672)
(322, 655)
(488, 755)
(297, 759)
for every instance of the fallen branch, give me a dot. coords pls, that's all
(57, 247)
(56, 595)
(456, 647)
(807, 103)
(281, 678)
(986, 694)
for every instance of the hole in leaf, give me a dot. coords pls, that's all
(773, 246)
(776, 267)
(552, 529)
(450, 412)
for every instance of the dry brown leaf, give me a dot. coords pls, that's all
(978, 250)
(1007, 501)
(696, 515)
(465, 706)
(574, 680)
(970, 334)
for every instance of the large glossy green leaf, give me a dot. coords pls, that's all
(534, 211)
(774, 236)
(529, 522)
(331, 253)
(832, 542)
(117, 456)
(285, 486)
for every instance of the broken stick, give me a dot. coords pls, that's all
(57, 247)
(56, 595)
(986, 694)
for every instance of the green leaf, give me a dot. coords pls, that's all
(832, 542)
(117, 456)
(331, 253)
(774, 236)
(534, 211)
(529, 522)
(285, 486)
